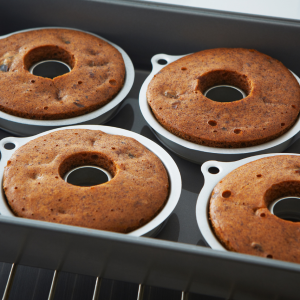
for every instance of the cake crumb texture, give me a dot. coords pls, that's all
(97, 75)
(35, 188)
(239, 214)
(176, 97)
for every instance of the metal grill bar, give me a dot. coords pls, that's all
(140, 292)
(9, 281)
(53, 285)
(97, 288)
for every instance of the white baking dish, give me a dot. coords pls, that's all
(210, 181)
(151, 228)
(25, 127)
(198, 153)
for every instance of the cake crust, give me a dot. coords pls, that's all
(97, 75)
(271, 107)
(35, 188)
(239, 214)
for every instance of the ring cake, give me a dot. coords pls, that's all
(97, 75)
(239, 213)
(176, 97)
(34, 186)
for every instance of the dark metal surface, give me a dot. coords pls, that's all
(143, 30)
(161, 263)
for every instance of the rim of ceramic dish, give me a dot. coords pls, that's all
(129, 79)
(210, 181)
(151, 120)
(170, 165)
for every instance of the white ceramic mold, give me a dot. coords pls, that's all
(198, 153)
(25, 127)
(210, 181)
(150, 229)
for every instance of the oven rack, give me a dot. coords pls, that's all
(141, 294)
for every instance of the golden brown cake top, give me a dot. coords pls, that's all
(97, 74)
(271, 107)
(35, 188)
(239, 211)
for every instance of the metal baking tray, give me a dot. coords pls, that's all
(176, 258)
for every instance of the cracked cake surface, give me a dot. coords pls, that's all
(176, 97)
(97, 74)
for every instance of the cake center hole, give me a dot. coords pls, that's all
(87, 176)
(225, 93)
(286, 208)
(50, 68)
